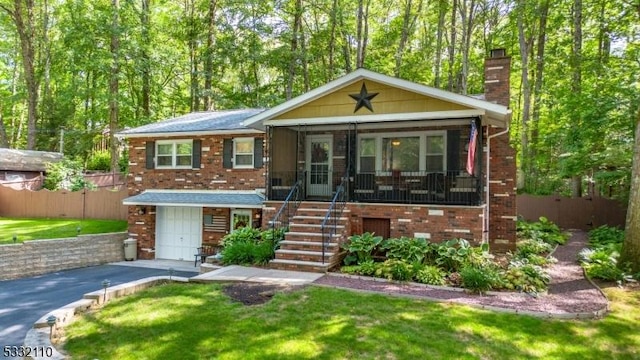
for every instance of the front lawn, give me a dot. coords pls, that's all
(35, 229)
(198, 321)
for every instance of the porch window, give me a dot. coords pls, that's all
(435, 153)
(405, 152)
(240, 219)
(243, 152)
(368, 155)
(401, 153)
(174, 154)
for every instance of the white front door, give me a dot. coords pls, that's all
(178, 232)
(319, 173)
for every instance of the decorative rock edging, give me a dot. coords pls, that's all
(38, 336)
(540, 314)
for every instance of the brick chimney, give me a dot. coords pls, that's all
(497, 69)
(502, 185)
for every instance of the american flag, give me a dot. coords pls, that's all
(471, 154)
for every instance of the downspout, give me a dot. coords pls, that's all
(485, 231)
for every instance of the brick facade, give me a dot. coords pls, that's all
(502, 184)
(210, 176)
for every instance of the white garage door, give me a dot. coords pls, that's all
(178, 232)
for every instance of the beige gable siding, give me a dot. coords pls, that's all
(389, 100)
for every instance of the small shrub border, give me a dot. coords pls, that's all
(455, 263)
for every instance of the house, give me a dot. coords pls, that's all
(365, 152)
(23, 169)
(191, 180)
(373, 153)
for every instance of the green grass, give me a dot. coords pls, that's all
(35, 229)
(196, 321)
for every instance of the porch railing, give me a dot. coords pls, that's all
(447, 188)
(330, 223)
(280, 222)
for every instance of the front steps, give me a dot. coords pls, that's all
(301, 249)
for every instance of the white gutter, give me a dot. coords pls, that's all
(485, 223)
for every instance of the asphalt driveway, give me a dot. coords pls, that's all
(24, 301)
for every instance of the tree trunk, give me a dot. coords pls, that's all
(452, 44)
(207, 98)
(526, 95)
(467, 13)
(630, 254)
(193, 55)
(333, 21)
(362, 32)
(442, 10)
(295, 29)
(146, 66)
(114, 84)
(408, 21)
(537, 89)
(576, 87)
(4, 140)
(22, 15)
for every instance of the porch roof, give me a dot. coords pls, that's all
(491, 114)
(198, 198)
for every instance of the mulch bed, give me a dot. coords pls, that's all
(255, 293)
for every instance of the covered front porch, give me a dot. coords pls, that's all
(425, 163)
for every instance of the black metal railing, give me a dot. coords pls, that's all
(281, 183)
(280, 223)
(330, 222)
(447, 188)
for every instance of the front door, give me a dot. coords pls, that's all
(319, 173)
(178, 232)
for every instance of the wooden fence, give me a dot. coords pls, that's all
(573, 213)
(87, 204)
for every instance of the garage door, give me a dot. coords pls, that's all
(178, 232)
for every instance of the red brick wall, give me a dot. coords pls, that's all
(502, 187)
(210, 176)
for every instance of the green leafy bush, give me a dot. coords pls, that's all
(453, 254)
(532, 246)
(431, 275)
(394, 269)
(244, 234)
(408, 249)
(249, 246)
(66, 174)
(360, 248)
(605, 236)
(99, 160)
(605, 271)
(479, 279)
(526, 277)
(239, 252)
(543, 229)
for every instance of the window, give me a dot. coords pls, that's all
(435, 153)
(401, 153)
(367, 154)
(243, 152)
(240, 219)
(405, 152)
(174, 154)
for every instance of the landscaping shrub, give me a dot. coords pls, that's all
(430, 275)
(526, 277)
(249, 246)
(543, 229)
(479, 279)
(239, 252)
(601, 260)
(99, 160)
(394, 269)
(605, 236)
(453, 254)
(532, 246)
(360, 248)
(244, 234)
(408, 249)
(263, 251)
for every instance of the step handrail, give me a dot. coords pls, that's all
(330, 222)
(280, 222)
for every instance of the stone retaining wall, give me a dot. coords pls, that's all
(43, 256)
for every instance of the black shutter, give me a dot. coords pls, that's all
(453, 150)
(150, 153)
(227, 152)
(196, 156)
(258, 152)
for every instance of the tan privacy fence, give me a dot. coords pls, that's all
(573, 213)
(87, 204)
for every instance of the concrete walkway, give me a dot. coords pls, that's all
(250, 274)
(176, 265)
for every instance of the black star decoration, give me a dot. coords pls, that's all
(363, 99)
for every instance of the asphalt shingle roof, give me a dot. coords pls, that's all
(192, 198)
(198, 121)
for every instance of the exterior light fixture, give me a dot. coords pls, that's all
(395, 142)
(15, 238)
(78, 229)
(51, 321)
(171, 271)
(105, 285)
(142, 210)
